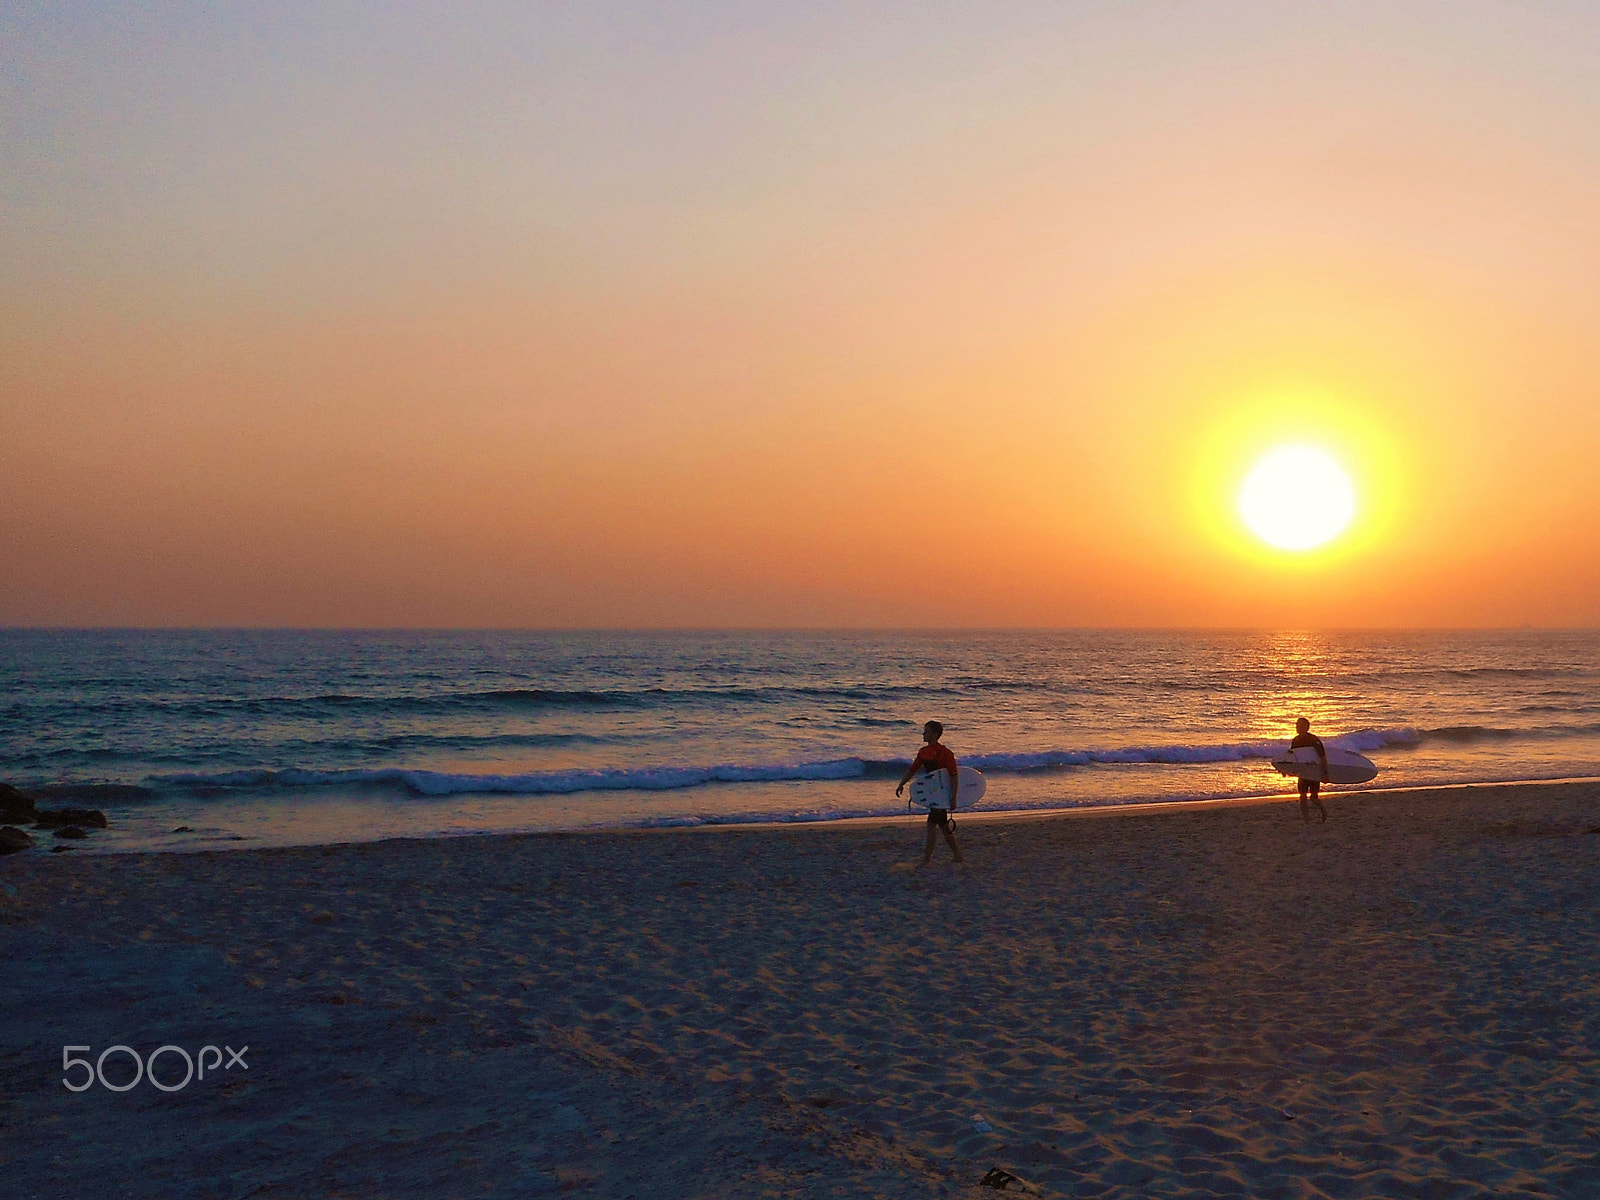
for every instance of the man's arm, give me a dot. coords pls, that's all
(906, 778)
(955, 786)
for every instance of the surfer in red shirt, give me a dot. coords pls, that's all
(936, 757)
(1309, 788)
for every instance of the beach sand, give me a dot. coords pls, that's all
(1220, 1001)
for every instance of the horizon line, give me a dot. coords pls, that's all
(1521, 627)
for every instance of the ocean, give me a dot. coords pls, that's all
(233, 738)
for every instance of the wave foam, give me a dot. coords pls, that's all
(533, 783)
(549, 783)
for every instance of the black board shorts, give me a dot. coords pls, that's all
(939, 817)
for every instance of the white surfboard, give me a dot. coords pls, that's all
(931, 789)
(1344, 766)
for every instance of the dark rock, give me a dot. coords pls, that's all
(15, 806)
(13, 839)
(183, 829)
(61, 849)
(71, 831)
(54, 817)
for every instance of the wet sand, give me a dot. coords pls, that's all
(1220, 1001)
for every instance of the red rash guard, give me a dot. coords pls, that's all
(934, 756)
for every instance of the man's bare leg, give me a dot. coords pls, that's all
(955, 850)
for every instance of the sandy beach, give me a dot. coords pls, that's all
(1212, 1002)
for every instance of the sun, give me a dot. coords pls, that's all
(1297, 498)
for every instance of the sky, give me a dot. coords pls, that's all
(757, 314)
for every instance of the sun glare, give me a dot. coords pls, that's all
(1297, 498)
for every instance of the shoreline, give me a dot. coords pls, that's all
(971, 816)
(1147, 808)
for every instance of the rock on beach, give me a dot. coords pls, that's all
(13, 839)
(19, 808)
(16, 807)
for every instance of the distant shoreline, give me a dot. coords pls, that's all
(1095, 810)
(1336, 801)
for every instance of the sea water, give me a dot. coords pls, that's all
(245, 738)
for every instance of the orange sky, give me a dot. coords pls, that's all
(762, 318)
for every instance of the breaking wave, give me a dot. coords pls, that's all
(667, 778)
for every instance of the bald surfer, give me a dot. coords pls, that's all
(1310, 788)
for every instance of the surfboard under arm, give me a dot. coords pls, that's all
(1344, 766)
(931, 789)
